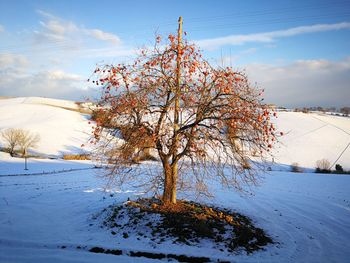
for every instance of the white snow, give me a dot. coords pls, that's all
(61, 131)
(311, 137)
(306, 213)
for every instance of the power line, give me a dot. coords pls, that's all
(270, 21)
(62, 44)
(266, 11)
(340, 155)
(190, 23)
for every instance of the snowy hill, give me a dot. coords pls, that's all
(308, 137)
(61, 127)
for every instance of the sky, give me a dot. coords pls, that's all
(297, 51)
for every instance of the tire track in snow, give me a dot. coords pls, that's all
(341, 129)
(331, 124)
(308, 132)
(308, 226)
(52, 172)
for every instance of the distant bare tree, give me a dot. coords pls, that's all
(27, 140)
(295, 168)
(12, 137)
(345, 110)
(323, 166)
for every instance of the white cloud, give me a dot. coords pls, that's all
(100, 35)
(2, 29)
(45, 14)
(12, 60)
(268, 37)
(59, 44)
(304, 82)
(61, 75)
(52, 83)
(106, 52)
(58, 29)
(301, 83)
(228, 60)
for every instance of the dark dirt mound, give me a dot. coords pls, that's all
(186, 222)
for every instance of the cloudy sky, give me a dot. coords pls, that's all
(298, 51)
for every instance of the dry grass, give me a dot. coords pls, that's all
(76, 157)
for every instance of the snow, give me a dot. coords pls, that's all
(306, 213)
(47, 215)
(311, 137)
(308, 137)
(61, 131)
(39, 214)
(68, 104)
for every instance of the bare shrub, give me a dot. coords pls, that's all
(12, 138)
(323, 166)
(295, 168)
(27, 140)
(345, 111)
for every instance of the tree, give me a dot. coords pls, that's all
(345, 110)
(339, 168)
(12, 137)
(190, 113)
(26, 141)
(323, 166)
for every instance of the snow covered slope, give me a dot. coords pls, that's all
(61, 128)
(310, 137)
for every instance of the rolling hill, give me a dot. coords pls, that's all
(63, 129)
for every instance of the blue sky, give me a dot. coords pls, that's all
(298, 51)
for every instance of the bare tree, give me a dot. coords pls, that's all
(191, 114)
(12, 138)
(323, 165)
(27, 140)
(345, 110)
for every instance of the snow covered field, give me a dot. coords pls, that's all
(56, 217)
(308, 214)
(311, 137)
(61, 131)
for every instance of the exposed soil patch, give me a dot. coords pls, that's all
(186, 222)
(179, 258)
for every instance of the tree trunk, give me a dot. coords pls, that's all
(171, 170)
(174, 170)
(170, 180)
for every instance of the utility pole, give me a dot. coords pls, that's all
(25, 159)
(178, 82)
(177, 111)
(178, 76)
